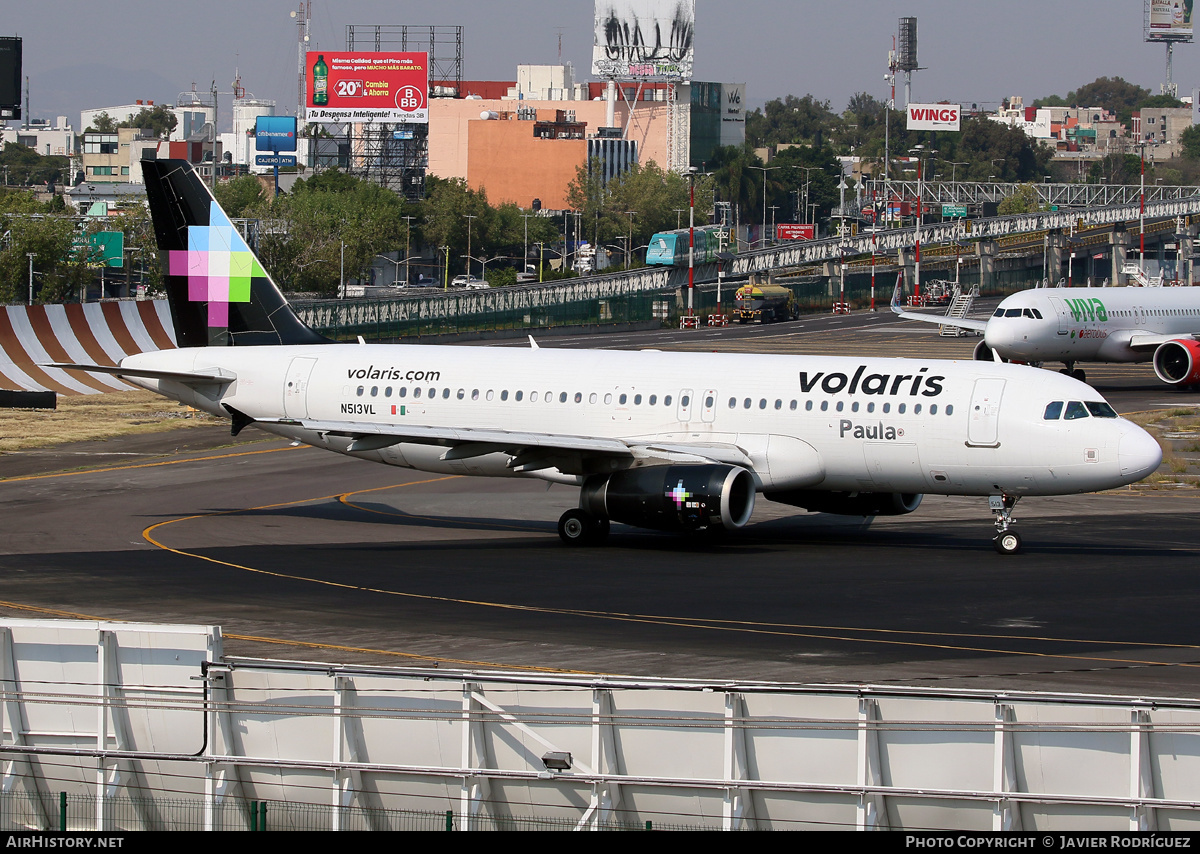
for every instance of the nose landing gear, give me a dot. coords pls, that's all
(1007, 540)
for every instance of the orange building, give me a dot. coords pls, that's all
(519, 160)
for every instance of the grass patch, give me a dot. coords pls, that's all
(82, 418)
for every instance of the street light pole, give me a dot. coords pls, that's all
(31, 256)
(692, 234)
(1142, 213)
(407, 244)
(469, 217)
(525, 249)
(764, 170)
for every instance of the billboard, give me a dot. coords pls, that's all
(933, 116)
(794, 231)
(364, 86)
(275, 133)
(644, 39)
(1169, 20)
(10, 77)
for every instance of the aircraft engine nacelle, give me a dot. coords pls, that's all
(984, 353)
(851, 503)
(673, 498)
(1178, 362)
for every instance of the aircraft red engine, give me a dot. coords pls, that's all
(1178, 362)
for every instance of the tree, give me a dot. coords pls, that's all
(1024, 200)
(1120, 169)
(790, 119)
(1190, 139)
(1114, 94)
(240, 195)
(59, 269)
(1160, 102)
(329, 218)
(653, 194)
(26, 167)
(158, 119)
(103, 123)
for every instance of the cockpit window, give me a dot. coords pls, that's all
(1075, 409)
(1053, 410)
(1100, 409)
(1013, 312)
(1032, 313)
(999, 313)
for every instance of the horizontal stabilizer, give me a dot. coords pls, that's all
(218, 376)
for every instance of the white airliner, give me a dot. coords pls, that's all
(1070, 325)
(668, 441)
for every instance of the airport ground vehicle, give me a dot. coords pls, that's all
(764, 303)
(668, 441)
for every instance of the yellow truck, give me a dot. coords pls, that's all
(764, 303)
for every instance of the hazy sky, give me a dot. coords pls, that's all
(80, 55)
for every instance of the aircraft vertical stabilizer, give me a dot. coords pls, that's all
(218, 290)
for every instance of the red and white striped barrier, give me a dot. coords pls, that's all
(92, 333)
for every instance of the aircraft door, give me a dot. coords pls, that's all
(685, 405)
(709, 404)
(1064, 325)
(295, 389)
(984, 418)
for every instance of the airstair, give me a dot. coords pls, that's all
(960, 307)
(1138, 278)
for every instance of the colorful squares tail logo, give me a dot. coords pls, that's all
(218, 264)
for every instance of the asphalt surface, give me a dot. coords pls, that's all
(302, 554)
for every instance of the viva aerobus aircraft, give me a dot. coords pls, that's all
(1070, 325)
(667, 441)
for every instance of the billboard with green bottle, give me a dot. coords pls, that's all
(367, 86)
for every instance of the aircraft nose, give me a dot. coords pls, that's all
(1139, 454)
(994, 337)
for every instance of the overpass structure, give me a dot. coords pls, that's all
(993, 228)
(1062, 195)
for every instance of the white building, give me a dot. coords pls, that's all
(47, 140)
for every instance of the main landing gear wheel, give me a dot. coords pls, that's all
(1008, 543)
(1074, 373)
(577, 528)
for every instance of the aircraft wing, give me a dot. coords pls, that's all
(216, 375)
(529, 451)
(1151, 340)
(939, 319)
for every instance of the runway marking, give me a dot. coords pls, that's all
(148, 465)
(812, 632)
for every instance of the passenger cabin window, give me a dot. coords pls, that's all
(1053, 410)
